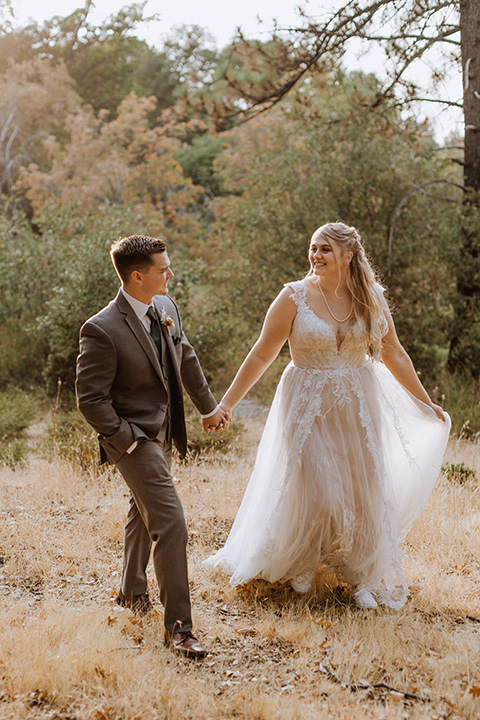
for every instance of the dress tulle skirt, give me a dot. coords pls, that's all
(346, 463)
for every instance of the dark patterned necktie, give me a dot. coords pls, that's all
(179, 432)
(154, 327)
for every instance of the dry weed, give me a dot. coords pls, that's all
(67, 652)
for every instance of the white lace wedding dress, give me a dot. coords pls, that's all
(346, 462)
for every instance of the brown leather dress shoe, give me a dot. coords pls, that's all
(139, 604)
(185, 644)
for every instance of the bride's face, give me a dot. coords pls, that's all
(327, 259)
(321, 255)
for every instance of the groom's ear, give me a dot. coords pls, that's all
(135, 277)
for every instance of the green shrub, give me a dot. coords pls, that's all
(14, 452)
(459, 473)
(459, 395)
(72, 439)
(17, 410)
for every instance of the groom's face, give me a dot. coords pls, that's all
(155, 280)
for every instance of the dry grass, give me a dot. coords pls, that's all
(67, 651)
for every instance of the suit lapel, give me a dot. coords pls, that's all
(140, 333)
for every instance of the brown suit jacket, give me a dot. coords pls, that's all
(121, 388)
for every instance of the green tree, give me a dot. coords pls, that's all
(107, 62)
(103, 61)
(197, 160)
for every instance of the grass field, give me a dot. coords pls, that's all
(67, 651)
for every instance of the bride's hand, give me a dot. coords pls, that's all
(227, 410)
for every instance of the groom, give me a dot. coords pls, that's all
(134, 361)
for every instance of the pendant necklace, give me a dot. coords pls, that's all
(329, 310)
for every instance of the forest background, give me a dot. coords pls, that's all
(233, 156)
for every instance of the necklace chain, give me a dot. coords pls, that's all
(329, 309)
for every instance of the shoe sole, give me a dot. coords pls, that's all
(191, 655)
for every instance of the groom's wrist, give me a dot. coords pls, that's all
(205, 417)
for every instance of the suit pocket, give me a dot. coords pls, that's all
(138, 433)
(117, 444)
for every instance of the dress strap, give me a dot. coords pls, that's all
(299, 292)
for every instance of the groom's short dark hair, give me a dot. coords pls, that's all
(134, 253)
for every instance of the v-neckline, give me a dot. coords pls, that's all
(331, 329)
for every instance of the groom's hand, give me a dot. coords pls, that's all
(217, 422)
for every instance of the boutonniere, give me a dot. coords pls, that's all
(167, 321)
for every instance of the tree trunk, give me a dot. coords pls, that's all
(470, 45)
(464, 352)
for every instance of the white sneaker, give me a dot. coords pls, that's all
(302, 583)
(364, 598)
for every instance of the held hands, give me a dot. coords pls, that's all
(219, 421)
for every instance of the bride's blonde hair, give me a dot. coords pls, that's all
(361, 281)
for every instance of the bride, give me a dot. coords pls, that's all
(352, 446)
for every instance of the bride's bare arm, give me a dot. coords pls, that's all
(275, 331)
(397, 360)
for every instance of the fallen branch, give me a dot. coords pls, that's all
(326, 670)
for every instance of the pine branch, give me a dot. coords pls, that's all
(415, 189)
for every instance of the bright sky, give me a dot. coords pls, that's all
(222, 18)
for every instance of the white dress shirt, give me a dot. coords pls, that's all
(140, 309)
